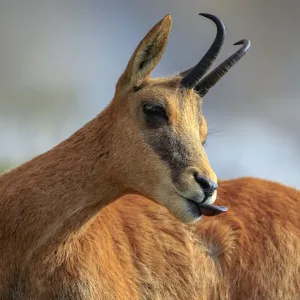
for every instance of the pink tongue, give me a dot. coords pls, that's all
(211, 210)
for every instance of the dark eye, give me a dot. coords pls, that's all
(204, 143)
(155, 114)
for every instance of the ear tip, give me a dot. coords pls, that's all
(165, 24)
(167, 20)
(168, 17)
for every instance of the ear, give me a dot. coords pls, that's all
(147, 55)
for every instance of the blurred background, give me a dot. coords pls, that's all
(60, 61)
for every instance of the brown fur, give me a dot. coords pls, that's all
(75, 222)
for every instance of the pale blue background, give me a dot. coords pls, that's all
(60, 60)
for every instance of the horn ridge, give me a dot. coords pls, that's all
(194, 74)
(214, 76)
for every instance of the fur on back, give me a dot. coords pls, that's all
(134, 249)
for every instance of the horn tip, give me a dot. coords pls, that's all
(245, 42)
(219, 23)
(206, 15)
(242, 42)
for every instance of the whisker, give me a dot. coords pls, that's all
(214, 131)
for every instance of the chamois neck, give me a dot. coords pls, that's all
(58, 192)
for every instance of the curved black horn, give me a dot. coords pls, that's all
(214, 76)
(194, 74)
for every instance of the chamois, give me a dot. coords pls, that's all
(113, 211)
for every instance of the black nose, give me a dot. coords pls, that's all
(207, 185)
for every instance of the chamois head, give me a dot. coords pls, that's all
(161, 129)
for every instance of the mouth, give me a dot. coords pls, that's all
(204, 207)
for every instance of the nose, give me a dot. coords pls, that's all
(207, 185)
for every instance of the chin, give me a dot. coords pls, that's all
(190, 211)
(185, 212)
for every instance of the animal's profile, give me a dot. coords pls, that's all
(113, 211)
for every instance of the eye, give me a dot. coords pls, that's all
(155, 114)
(204, 143)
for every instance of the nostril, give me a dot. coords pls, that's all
(203, 182)
(207, 185)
